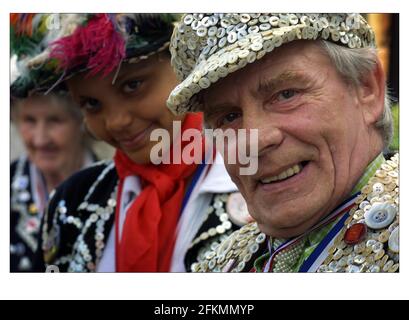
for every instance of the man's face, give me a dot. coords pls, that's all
(313, 139)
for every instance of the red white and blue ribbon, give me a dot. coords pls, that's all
(342, 209)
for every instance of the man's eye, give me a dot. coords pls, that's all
(91, 105)
(131, 86)
(228, 119)
(286, 94)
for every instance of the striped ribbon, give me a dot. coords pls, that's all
(341, 209)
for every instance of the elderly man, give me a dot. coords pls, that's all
(324, 198)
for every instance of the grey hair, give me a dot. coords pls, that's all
(353, 64)
(61, 99)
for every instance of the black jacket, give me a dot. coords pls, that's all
(24, 218)
(80, 216)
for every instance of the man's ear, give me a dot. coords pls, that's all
(371, 94)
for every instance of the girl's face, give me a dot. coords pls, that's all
(124, 114)
(51, 134)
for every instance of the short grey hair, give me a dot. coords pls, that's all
(62, 99)
(352, 64)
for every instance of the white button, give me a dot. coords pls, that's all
(277, 41)
(188, 19)
(222, 42)
(243, 42)
(252, 57)
(261, 54)
(232, 58)
(387, 265)
(222, 60)
(243, 53)
(257, 46)
(196, 24)
(261, 238)
(204, 83)
(232, 37)
(205, 21)
(335, 36)
(24, 196)
(213, 20)
(241, 266)
(240, 27)
(237, 209)
(253, 29)
(377, 246)
(221, 32)
(225, 23)
(386, 167)
(265, 26)
(378, 188)
(254, 248)
(227, 225)
(293, 19)
(393, 174)
(213, 50)
(380, 215)
(21, 183)
(274, 21)
(220, 229)
(213, 77)
(325, 34)
(191, 44)
(263, 19)
(212, 31)
(268, 45)
(393, 242)
(283, 23)
(363, 204)
(202, 31)
(291, 36)
(211, 41)
(212, 66)
(244, 17)
(230, 29)
(252, 22)
(222, 72)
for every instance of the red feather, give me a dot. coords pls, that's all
(97, 45)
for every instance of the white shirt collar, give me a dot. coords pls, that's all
(217, 179)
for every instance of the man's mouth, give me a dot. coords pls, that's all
(285, 174)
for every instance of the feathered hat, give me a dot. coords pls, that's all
(49, 48)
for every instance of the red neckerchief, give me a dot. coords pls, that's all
(148, 235)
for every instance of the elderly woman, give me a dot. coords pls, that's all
(131, 214)
(55, 142)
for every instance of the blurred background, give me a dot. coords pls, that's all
(386, 27)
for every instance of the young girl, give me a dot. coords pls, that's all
(130, 215)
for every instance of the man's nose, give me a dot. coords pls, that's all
(269, 134)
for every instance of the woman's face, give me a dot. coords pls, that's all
(51, 134)
(124, 114)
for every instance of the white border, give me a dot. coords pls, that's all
(195, 286)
